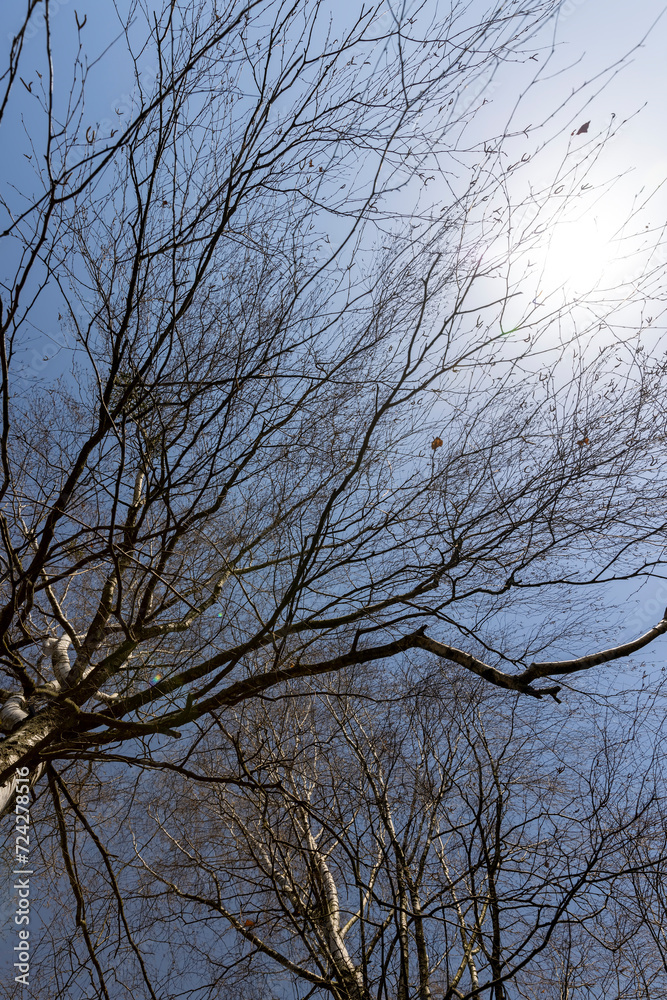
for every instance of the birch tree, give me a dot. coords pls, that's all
(383, 840)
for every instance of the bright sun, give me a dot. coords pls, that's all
(576, 256)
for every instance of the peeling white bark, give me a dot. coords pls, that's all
(330, 919)
(13, 712)
(58, 650)
(8, 790)
(7, 796)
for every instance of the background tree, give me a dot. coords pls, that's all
(377, 839)
(246, 482)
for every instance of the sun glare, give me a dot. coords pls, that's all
(577, 256)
